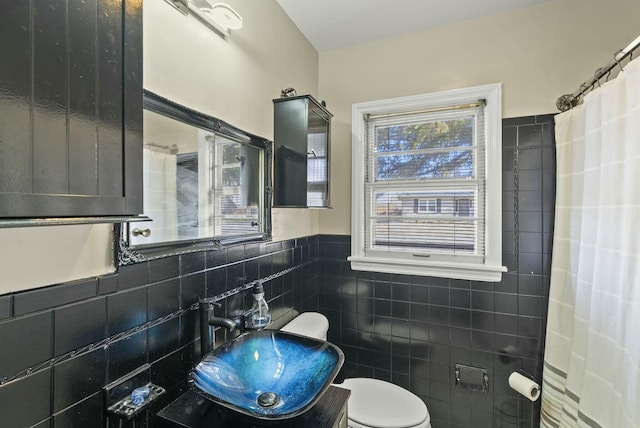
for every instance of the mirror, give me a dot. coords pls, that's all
(206, 184)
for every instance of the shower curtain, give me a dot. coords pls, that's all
(592, 353)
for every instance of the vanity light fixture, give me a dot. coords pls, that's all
(179, 5)
(218, 16)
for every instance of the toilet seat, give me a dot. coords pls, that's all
(378, 404)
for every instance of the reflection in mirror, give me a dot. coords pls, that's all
(204, 181)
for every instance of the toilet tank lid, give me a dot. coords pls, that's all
(380, 404)
(312, 324)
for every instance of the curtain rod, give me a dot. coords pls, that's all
(568, 101)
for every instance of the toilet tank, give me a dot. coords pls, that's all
(312, 324)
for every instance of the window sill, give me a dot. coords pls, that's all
(467, 271)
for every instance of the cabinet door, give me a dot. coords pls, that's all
(70, 108)
(290, 153)
(318, 134)
(301, 145)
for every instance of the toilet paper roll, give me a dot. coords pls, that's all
(525, 386)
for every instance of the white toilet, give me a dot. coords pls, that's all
(373, 403)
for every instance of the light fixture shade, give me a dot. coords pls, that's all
(225, 16)
(218, 16)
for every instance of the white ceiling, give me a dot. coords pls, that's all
(331, 24)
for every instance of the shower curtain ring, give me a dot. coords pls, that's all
(583, 88)
(598, 75)
(608, 74)
(615, 58)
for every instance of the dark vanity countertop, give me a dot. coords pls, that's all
(190, 410)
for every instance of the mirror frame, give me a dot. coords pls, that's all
(126, 254)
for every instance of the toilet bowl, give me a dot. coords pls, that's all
(373, 403)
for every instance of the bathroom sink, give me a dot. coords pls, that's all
(268, 374)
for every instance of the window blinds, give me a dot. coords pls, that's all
(425, 182)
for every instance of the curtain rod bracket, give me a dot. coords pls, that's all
(566, 102)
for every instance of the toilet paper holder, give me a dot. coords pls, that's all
(525, 374)
(473, 378)
(524, 384)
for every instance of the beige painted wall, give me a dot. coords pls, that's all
(36, 256)
(234, 79)
(538, 54)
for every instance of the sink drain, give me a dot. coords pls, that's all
(268, 399)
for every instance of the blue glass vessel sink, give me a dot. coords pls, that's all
(268, 374)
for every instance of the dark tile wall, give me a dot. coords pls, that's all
(45, 325)
(409, 330)
(412, 330)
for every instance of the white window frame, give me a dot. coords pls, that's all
(490, 268)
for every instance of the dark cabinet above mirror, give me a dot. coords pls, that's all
(70, 112)
(302, 134)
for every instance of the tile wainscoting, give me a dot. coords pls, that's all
(409, 330)
(46, 325)
(413, 330)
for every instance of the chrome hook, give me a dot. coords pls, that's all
(584, 88)
(598, 75)
(615, 58)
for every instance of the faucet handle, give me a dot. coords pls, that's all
(210, 302)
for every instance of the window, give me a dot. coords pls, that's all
(463, 207)
(427, 185)
(317, 168)
(427, 205)
(232, 180)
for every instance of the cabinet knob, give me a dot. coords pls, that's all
(144, 232)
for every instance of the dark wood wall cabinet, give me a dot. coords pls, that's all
(302, 134)
(70, 110)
